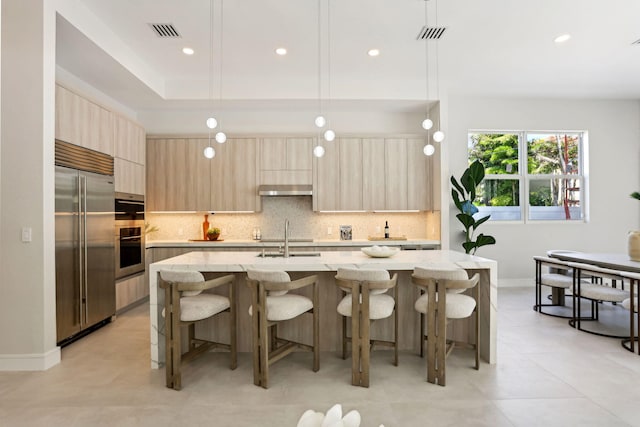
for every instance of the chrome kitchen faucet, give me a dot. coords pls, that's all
(286, 238)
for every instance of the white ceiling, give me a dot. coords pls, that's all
(490, 47)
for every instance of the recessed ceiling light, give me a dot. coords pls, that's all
(187, 51)
(373, 52)
(281, 51)
(563, 38)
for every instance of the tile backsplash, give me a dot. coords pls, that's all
(303, 223)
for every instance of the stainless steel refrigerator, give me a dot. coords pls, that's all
(85, 275)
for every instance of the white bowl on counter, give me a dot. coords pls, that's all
(380, 251)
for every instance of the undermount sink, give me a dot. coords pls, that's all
(291, 254)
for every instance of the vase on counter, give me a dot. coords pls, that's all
(205, 227)
(634, 245)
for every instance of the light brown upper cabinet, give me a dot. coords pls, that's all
(285, 160)
(373, 174)
(129, 140)
(82, 122)
(420, 177)
(396, 173)
(374, 193)
(180, 178)
(350, 165)
(178, 175)
(339, 180)
(129, 176)
(326, 179)
(234, 177)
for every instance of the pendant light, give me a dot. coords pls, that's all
(320, 120)
(427, 123)
(212, 122)
(438, 136)
(221, 137)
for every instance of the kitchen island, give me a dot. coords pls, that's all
(325, 265)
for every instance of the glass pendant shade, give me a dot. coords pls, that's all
(428, 150)
(427, 124)
(438, 136)
(212, 123)
(329, 135)
(321, 121)
(221, 137)
(209, 152)
(318, 151)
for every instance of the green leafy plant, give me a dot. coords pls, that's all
(463, 194)
(635, 195)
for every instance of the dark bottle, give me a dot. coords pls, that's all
(386, 229)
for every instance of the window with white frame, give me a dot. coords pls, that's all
(546, 168)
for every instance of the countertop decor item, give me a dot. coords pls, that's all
(205, 226)
(213, 233)
(345, 232)
(463, 194)
(380, 251)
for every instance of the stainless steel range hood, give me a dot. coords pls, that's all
(285, 190)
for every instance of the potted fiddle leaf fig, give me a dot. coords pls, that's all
(463, 194)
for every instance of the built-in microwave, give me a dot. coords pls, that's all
(129, 234)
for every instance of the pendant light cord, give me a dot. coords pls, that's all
(426, 56)
(437, 66)
(221, 47)
(319, 57)
(329, 49)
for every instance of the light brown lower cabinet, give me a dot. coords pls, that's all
(131, 290)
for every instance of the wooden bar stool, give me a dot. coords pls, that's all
(444, 285)
(366, 300)
(185, 303)
(271, 303)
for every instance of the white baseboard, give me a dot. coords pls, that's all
(30, 362)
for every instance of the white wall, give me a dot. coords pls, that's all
(279, 121)
(27, 282)
(614, 135)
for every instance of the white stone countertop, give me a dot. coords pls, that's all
(327, 261)
(424, 243)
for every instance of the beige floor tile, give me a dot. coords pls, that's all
(547, 374)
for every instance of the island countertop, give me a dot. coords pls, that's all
(293, 243)
(328, 262)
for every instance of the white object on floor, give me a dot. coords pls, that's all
(333, 418)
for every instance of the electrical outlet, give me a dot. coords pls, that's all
(329, 231)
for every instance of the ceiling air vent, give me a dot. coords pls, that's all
(431, 33)
(164, 30)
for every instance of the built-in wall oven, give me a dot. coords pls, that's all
(129, 236)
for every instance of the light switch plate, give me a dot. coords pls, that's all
(26, 234)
